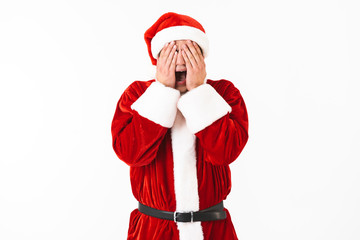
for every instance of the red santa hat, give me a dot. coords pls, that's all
(172, 26)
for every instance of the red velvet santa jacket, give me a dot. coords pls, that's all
(179, 148)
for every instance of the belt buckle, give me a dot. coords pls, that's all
(175, 216)
(192, 216)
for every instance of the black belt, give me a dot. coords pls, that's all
(213, 213)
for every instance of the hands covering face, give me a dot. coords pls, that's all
(195, 65)
(194, 62)
(165, 67)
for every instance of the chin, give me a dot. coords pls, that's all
(182, 89)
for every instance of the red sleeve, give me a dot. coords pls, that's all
(136, 138)
(222, 122)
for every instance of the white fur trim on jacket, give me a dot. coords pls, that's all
(185, 177)
(158, 104)
(202, 106)
(178, 33)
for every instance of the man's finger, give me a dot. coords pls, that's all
(193, 51)
(167, 51)
(198, 50)
(173, 62)
(187, 60)
(189, 55)
(162, 52)
(171, 56)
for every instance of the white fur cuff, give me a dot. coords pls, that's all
(202, 106)
(158, 104)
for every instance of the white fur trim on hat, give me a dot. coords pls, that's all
(158, 104)
(179, 33)
(202, 106)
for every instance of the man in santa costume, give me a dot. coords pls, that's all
(178, 133)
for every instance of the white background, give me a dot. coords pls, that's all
(64, 65)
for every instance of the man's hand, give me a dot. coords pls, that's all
(195, 65)
(165, 67)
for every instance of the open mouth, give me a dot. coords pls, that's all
(180, 77)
